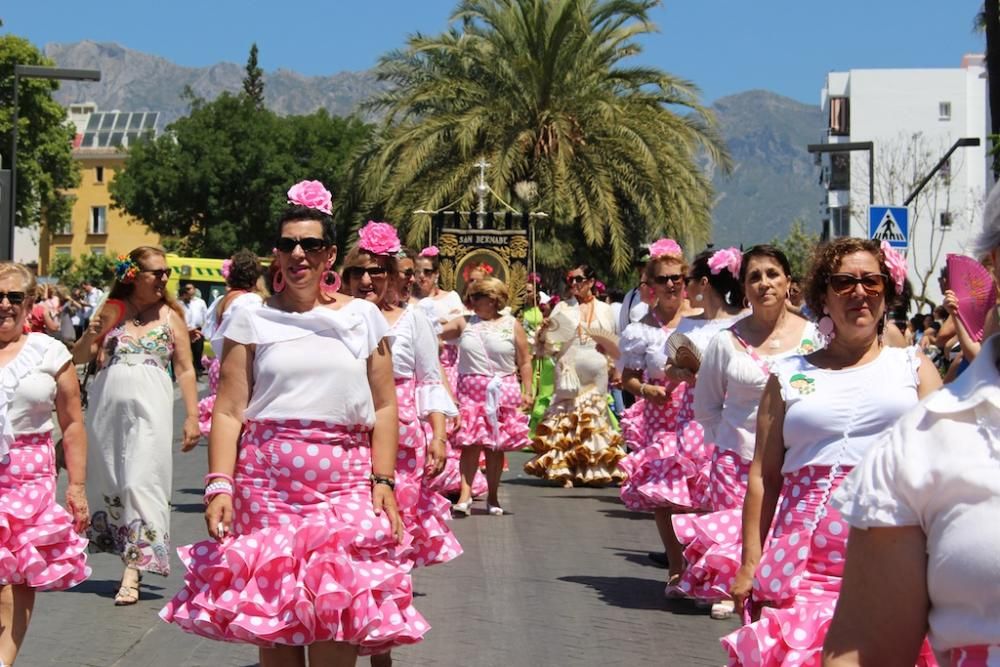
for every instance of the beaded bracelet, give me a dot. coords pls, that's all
(218, 488)
(219, 476)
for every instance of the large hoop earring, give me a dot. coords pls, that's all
(278, 282)
(330, 282)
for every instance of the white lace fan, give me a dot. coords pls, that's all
(682, 352)
(562, 326)
(608, 340)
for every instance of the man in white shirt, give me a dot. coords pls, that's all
(195, 310)
(92, 297)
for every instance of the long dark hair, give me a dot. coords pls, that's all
(724, 283)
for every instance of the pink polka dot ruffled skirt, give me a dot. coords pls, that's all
(38, 545)
(669, 463)
(713, 545)
(798, 578)
(310, 560)
(425, 512)
(207, 404)
(510, 433)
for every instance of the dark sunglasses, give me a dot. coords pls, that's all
(689, 279)
(428, 272)
(308, 244)
(159, 274)
(671, 278)
(408, 273)
(13, 298)
(872, 283)
(575, 280)
(355, 272)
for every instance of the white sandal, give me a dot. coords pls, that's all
(462, 508)
(723, 610)
(495, 510)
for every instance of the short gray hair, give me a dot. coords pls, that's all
(989, 237)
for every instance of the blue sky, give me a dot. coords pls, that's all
(725, 47)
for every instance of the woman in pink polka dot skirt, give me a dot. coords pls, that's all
(819, 414)
(731, 377)
(420, 397)
(40, 543)
(666, 407)
(493, 355)
(308, 557)
(241, 273)
(441, 307)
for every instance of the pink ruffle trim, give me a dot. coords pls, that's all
(321, 579)
(672, 473)
(38, 546)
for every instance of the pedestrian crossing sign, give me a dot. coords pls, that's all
(889, 223)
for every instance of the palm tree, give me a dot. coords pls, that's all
(539, 88)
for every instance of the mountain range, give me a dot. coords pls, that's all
(774, 180)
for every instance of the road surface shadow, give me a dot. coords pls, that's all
(636, 557)
(108, 588)
(634, 593)
(626, 514)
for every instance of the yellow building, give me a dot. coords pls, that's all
(96, 227)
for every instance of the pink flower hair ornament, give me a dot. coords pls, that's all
(896, 264)
(311, 194)
(379, 238)
(665, 248)
(534, 278)
(430, 251)
(730, 259)
(227, 266)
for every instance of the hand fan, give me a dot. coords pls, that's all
(608, 340)
(973, 286)
(562, 326)
(109, 314)
(683, 353)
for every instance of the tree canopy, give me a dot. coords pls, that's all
(216, 179)
(540, 88)
(45, 165)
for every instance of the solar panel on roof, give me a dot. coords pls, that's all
(150, 121)
(122, 121)
(88, 140)
(93, 122)
(116, 139)
(108, 120)
(136, 121)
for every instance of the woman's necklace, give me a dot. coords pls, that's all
(138, 320)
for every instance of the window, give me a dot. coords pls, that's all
(840, 116)
(944, 221)
(840, 171)
(62, 227)
(62, 250)
(99, 174)
(839, 223)
(98, 220)
(97, 250)
(944, 110)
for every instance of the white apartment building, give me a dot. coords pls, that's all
(912, 117)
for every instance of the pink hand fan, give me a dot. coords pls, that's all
(973, 286)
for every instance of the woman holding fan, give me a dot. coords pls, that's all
(130, 417)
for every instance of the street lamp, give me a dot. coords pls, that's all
(847, 148)
(964, 142)
(32, 72)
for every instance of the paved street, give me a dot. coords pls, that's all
(564, 581)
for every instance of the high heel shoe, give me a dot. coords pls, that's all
(462, 508)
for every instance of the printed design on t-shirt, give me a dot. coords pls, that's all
(802, 382)
(806, 346)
